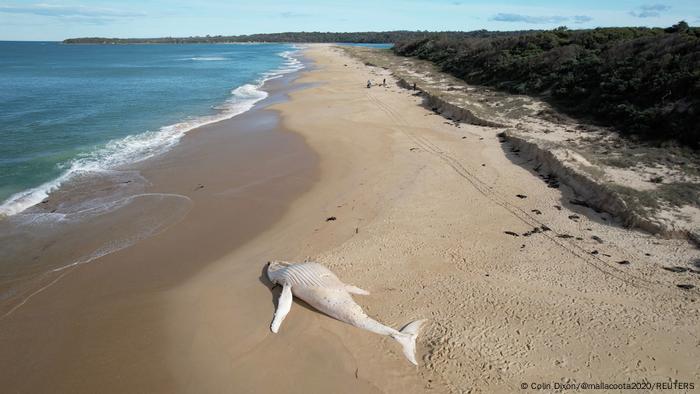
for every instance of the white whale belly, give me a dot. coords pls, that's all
(336, 303)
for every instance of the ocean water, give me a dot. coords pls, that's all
(71, 110)
(73, 120)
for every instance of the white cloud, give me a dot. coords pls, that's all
(650, 10)
(89, 14)
(530, 19)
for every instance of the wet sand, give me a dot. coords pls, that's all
(99, 328)
(422, 209)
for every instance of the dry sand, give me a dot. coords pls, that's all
(422, 208)
(421, 214)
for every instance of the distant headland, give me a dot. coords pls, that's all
(297, 37)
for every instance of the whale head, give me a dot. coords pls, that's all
(274, 266)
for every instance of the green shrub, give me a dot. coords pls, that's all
(645, 81)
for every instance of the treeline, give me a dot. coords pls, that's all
(645, 81)
(296, 37)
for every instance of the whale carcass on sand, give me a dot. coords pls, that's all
(320, 288)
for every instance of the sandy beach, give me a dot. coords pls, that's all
(437, 221)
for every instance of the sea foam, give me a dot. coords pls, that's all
(138, 147)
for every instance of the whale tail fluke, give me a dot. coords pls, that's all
(407, 339)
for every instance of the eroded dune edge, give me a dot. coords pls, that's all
(642, 185)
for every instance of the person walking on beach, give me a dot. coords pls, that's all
(384, 82)
(369, 84)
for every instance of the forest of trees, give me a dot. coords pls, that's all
(645, 81)
(322, 37)
(366, 37)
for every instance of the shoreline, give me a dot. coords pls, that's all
(425, 213)
(147, 144)
(100, 310)
(80, 202)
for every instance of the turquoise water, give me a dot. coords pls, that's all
(71, 109)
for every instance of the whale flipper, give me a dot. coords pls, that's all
(284, 304)
(356, 290)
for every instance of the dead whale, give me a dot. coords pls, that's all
(320, 288)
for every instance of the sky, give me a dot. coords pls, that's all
(56, 20)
